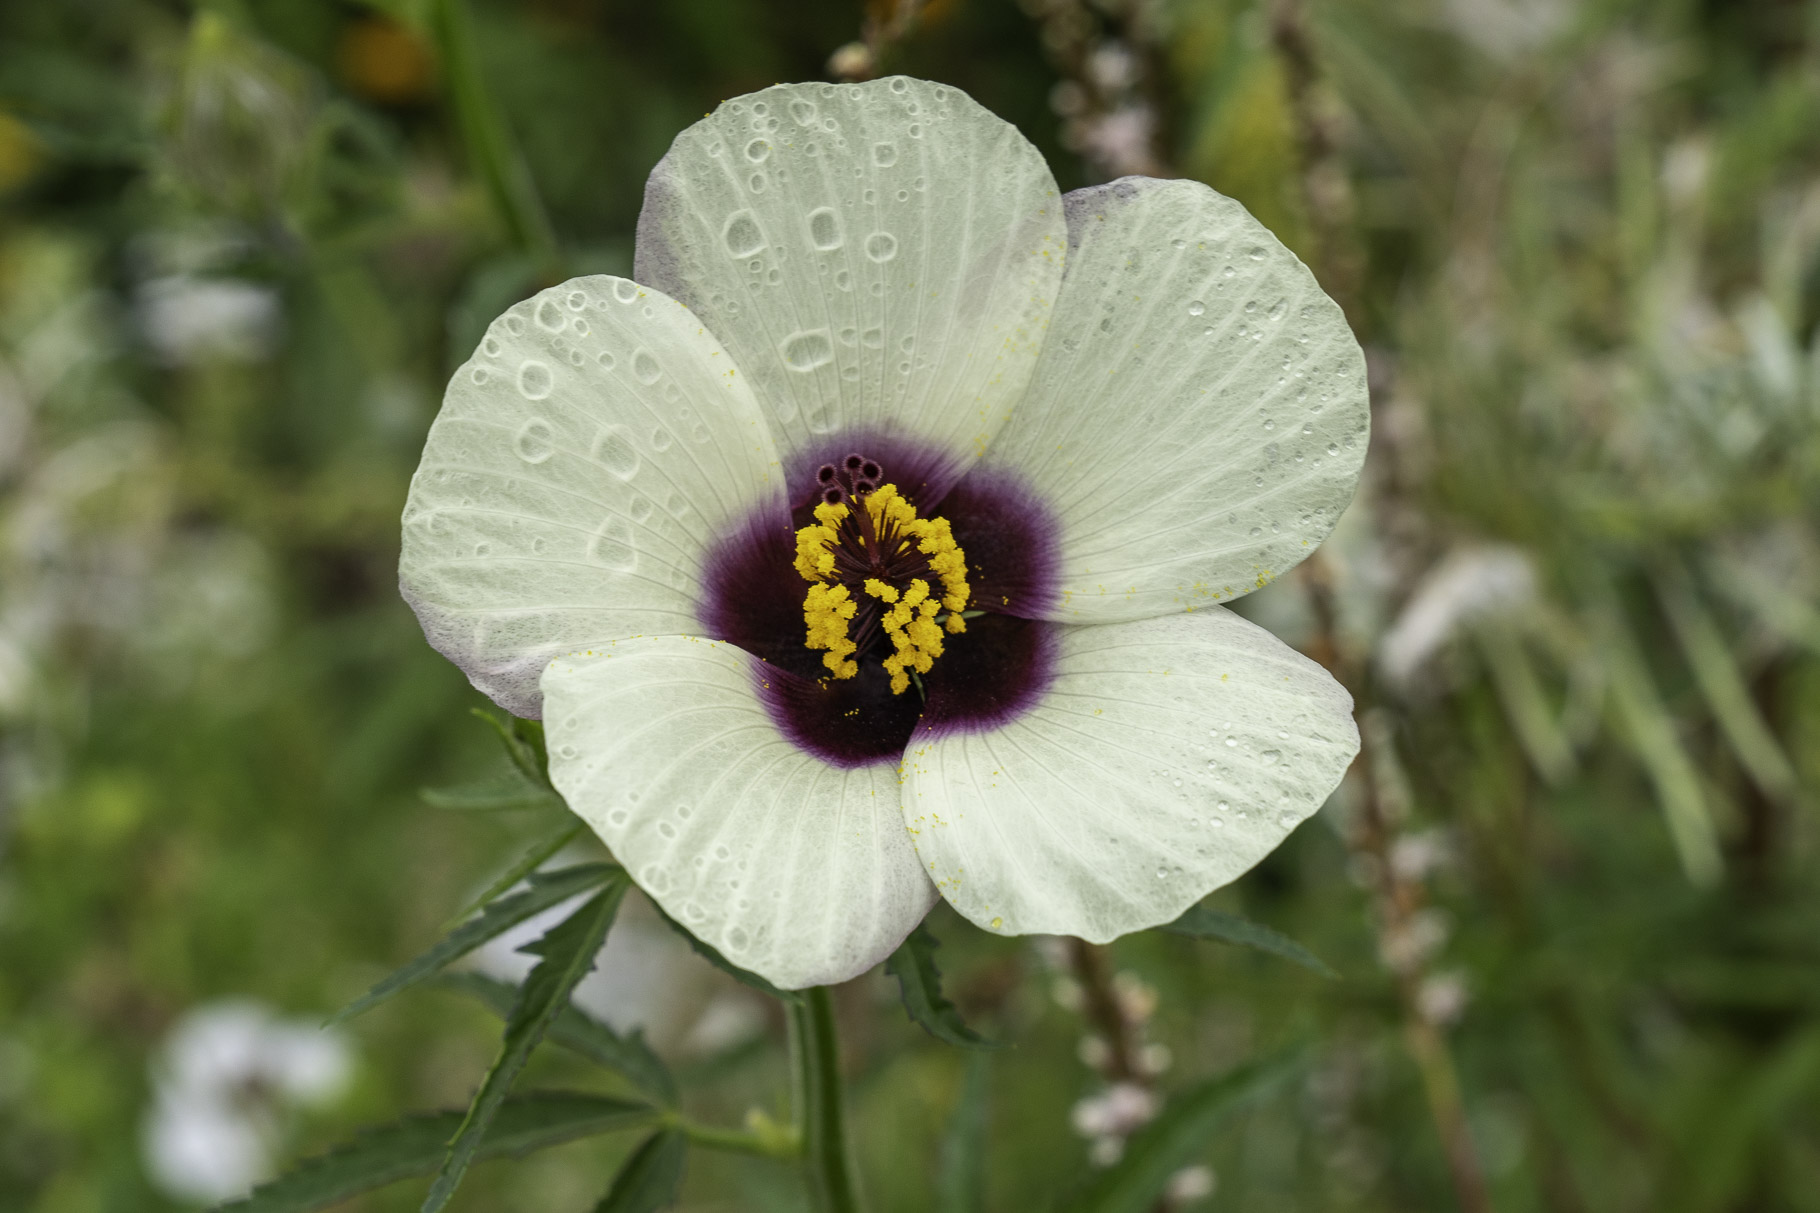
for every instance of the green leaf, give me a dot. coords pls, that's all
(568, 951)
(527, 863)
(961, 1181)
(1176, 1138)
(707, 953)
(507, 790)
(415, 1146)
(581, 1033)
(650, 1178)
(547, 889)
(523, 740)
(913, 964)
(1200, 922)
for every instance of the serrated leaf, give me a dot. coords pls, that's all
(568, 950)
(546, 889)
(416, 1145)
(707, 953)
(506, 791)
(1176, 1138)
(1201, 922)
(581, 1033)
(521, 869)
(650, 1178)
(961, 1181)
(920, 983)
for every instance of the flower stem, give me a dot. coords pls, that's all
(820, 1122)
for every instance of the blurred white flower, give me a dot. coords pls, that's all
(186, 319)
(1442, 998)
(1467, 585)
(222, 1084)
(1191, 1184)
(1118, 1111)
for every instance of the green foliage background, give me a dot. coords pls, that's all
(1582, 255)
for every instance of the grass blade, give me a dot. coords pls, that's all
(961, 1181)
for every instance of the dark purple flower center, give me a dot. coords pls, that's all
(987, 674)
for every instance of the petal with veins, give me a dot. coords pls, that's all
(795, 869)
(1165, 759)
(586, 458)
(879, 257)
(1198, 417)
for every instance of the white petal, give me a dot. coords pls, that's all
(584, 460)
(1198, 417)
(877, 256)
(793, 868)
(1167, 757)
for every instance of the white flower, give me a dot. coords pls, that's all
(1022, 695)
(225, 1073)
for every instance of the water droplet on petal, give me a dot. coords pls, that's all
(757, 150)
(535, 379)
(612, 545)
(645, 367)
(824, 229)
(625, 290)
(613, 450)
(1196, 308)
(536, 441)
(549, 317)
(808, 350)
(881, 246)
(884, 154)
(742, 235)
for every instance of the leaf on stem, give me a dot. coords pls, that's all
(505, 791)
(650, 1178)
(546, 889)
(920, 982)
(581, 1033)
(568, 951)
(1176, 1138)
(416, 1145)
(541, 850)
(1201, 922)
(708, 953)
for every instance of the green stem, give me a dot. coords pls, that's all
(733, 1140)
(815, 1064)
(489, 141)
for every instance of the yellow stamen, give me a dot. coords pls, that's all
(910, 623)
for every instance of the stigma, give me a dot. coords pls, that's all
(883, 582)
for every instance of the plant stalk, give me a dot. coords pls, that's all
(820, 1118)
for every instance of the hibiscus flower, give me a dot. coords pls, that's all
(869, 545)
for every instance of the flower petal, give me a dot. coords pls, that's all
(879, 257)
(1198, 416)
(585, 459)
(1167, 757)
(795, 869)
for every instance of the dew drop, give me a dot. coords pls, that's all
(535, 379)
(661, 440)
(607, 360)
(536, 441)
(1232, 741)
(873, 338)
(515, 325)
(1197, 308)
(1256, 252)
(479, 375)
(884, 154)
(804, 351)
(757, 150)
(742, 235)
(824, 229)
(655, 879)
(617, 817)
(613, 450)
(645, 368)
(549, 317)
(1271, 757)
(803, 112)
(756, 183)
(738, 940)
(625, 291)
(641, 509)
(881, 246)
(666, 829)
(612, 545)
(490, 347)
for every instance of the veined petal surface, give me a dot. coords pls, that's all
(1198, 416)
(585, 459)
(879, 257)
(793, 868)
(1167, 757)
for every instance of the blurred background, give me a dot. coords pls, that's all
(1571, 889)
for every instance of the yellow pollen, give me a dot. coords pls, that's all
(907, 613)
